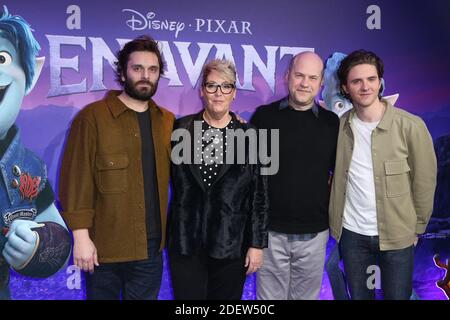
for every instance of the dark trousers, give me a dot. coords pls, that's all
(134, 280)
(337, 277)
(396, 267)
(200, 277)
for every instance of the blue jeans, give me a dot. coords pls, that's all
(337, 278)
(134, 280)
(396, 267)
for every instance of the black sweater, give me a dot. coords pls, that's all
(299, 191)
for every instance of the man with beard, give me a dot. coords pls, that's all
(114, 181)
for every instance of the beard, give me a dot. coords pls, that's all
(143, 93)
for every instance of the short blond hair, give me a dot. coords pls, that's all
(225, 67)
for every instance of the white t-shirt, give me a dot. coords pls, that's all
(360, 212)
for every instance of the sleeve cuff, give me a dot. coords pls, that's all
(420, 228)
(80, 219)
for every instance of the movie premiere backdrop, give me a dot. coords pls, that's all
(80, 38)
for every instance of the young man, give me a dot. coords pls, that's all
(384, 182)
(299, 192)
(114, 181)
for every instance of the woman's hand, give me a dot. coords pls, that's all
(253, 260)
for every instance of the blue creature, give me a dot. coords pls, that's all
(331, 94)
(33, 237)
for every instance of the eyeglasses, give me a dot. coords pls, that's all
(225, 88)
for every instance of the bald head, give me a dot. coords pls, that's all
(309, 58)
(304, 79)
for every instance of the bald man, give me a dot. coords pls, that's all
(299, 191)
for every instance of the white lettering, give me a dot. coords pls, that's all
(374, 20)
(374, 280)
(74, 279)
(192, 64)
(74, 20)
(57, 64)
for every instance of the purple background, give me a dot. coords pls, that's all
(413, 42)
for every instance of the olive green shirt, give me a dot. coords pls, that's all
(404, 169)
(101, 179)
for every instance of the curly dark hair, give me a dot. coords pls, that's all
(142, 43)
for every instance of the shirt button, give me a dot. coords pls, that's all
(111, 163)
(14, 183)
(16, 171)
(136, 135)
(141, 206)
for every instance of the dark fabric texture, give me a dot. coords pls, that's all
(299, 192)
(153, 219)
(54, 246)
(361, 252)
(225, 219)
(4, 279)
(132, 280)
(199, 277)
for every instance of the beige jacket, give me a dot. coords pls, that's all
(404, 168)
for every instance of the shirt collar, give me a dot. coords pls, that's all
(385, 122)
(388, 117)
(284, 103)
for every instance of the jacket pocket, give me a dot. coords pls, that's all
(112, 173)
(397, 178)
